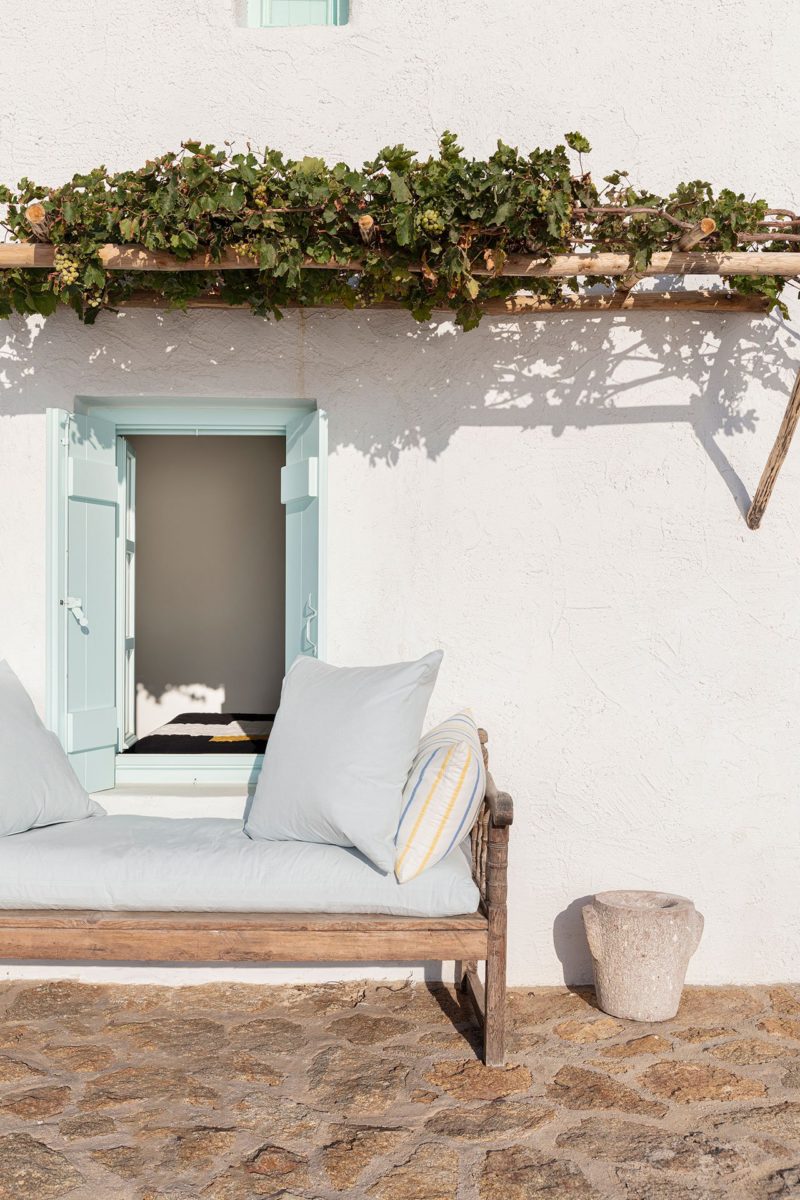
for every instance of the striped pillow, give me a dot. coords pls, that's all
(442, 795)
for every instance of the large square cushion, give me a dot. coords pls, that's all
(208, 864)
(339, 755)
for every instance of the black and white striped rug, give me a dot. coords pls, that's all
(208, 733)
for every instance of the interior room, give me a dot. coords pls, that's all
(208, 618)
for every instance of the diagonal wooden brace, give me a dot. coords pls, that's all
(776, 457)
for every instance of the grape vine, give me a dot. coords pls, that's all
(448, 214)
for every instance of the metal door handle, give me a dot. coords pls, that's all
(309, 613)
(75, 605)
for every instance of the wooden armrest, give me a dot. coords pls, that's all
(501, 806)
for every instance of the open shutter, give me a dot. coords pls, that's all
(303, 492)
(126, 596)
(91, 494)
(297, 12)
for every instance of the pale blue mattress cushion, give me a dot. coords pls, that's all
(208, 864)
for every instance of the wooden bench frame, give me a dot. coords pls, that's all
(72, 936)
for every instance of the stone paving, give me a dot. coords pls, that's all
(233, 1092)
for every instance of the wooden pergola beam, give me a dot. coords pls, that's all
(777, 455)
(515, 306)
(39, 256)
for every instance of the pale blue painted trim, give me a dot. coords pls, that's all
(92, 526)
(220, 417)
(87, 403)
(300, 480)
(188, 768)
(57, 422)
(304, 598)
(322, 536)
(122, 542)
(91, 728)
(207, 430)
(124, 547)
(259, 15)
(244, 416)
(184, 404)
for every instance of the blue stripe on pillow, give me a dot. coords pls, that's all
(414, 792)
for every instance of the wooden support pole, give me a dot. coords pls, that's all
(665, 262)
(776, 457)
(37, 220)
(692, 237)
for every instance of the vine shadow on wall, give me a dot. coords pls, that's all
(576, 373)
(397, 385)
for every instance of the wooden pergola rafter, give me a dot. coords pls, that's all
(683, 261)
(40, 255)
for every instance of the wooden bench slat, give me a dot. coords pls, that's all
(152, 944)
(96, 919)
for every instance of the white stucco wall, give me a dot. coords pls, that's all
(556, 503)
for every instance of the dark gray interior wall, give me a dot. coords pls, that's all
(210, 571)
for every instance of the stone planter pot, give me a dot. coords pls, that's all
(641, 943)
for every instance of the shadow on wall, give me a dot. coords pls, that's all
(395, 385)
(571, 946)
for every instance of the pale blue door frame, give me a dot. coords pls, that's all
(81, 670)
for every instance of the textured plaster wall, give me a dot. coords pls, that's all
(556, 503)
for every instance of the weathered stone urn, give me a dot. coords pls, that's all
(641, 943)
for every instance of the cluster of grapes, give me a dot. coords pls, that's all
(244, 249)
(260, 197)
(431, 222)
(67, 268)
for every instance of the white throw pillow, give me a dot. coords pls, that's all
(339, 754)
(37, 784)
(442, 795)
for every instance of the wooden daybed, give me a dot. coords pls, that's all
(79, 935)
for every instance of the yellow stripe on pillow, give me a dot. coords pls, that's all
(423, 808)
(443, 793)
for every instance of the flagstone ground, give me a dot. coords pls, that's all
(233, 1092)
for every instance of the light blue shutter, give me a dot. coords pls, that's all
(92, 507)
(126, 596)
(303, 492)
(297, 12)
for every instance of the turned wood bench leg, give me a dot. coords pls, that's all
(490, 872)
(495, 1003)
(494, 1030)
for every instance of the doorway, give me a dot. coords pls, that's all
(205, 643)
(180, 614)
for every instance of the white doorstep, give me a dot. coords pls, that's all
(175, 799)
